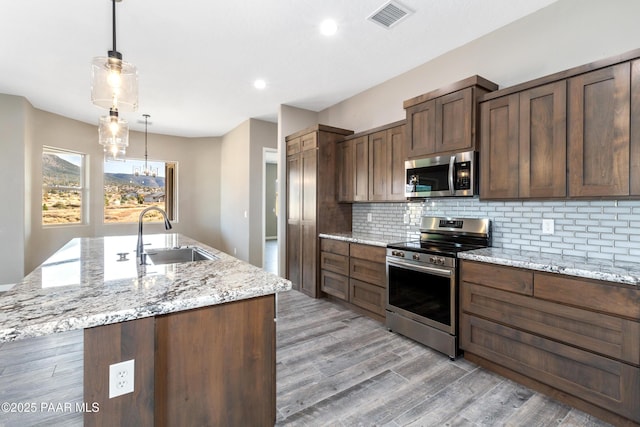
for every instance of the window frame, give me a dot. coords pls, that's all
(83, 188)
(170, 189)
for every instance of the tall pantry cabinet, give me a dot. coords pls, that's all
(312, 203)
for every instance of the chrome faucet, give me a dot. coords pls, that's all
(167, 226)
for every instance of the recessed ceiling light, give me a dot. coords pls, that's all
(328, 27)
(260, 84)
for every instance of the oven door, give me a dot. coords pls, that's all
(424, 293)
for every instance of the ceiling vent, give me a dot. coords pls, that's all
(389, 14)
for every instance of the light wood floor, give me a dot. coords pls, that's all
(335, 368)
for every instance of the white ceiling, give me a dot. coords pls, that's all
(197, 59)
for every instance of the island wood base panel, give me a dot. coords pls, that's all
(208, 366)
(573, 401)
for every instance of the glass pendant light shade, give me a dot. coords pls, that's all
(114, 83)
(113, 134)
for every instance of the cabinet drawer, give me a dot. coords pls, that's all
(499, 277)
(334, 246)
(367, 296)
(607, 335)
(368, 252)
(334, 284)
(604, 382)
(368, 271)
(590, 294)
(334, 262)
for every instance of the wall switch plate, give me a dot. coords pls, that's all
(121, 377)
(548, 226)
(369, 217)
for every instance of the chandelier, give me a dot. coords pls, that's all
(114, 86)
(147, 171)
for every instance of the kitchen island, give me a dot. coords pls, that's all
(202, 334)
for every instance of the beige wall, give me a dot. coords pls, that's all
(14, 123)
(565, 34)
(263, 135)
(234, 190)
(241, 188)
(270, 219)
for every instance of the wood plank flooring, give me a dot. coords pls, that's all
(334, 368)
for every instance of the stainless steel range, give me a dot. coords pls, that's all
(422, 280)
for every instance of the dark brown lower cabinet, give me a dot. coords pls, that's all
(211, 366)
(564, 343)
(354, 273)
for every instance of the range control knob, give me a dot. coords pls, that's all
(432, 259)
(416, 257)
(397, 253)
(440, 261)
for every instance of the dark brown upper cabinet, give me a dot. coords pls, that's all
(523, 144)
(444, 120)
(576, 134)
(599, 144)
(371, 165)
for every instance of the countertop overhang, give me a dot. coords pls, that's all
(85, 284)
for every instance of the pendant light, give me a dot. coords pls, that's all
(114, 82)
(113, 135)
(147, 171)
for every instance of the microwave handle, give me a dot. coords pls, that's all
(452, 162)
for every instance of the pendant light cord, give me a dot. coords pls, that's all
(113, 2)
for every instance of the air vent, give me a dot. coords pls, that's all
(389, 14)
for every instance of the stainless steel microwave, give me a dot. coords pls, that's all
(451, 175)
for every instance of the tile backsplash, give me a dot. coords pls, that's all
(603, 229)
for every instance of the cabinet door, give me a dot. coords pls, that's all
(599, 104)
(293, 146)
(309, 262)
(294, 192)
(421, 129)
(634, 158)
(378, 166)
(499, 148)
(396, 155)
(346, 171)
(294, 237)
(308, 171)
(309, 238)
(361, 153)
(454, 115)
(543, 141)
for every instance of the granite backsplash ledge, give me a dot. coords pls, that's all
(599, 230)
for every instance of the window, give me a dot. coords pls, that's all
(63, 187)
(128, 190)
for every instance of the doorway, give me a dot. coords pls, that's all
(270, 211)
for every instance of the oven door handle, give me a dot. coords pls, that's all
(423, 268)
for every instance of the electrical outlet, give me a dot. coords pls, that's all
(369, 217)
(547, 226)
(407, 218)
(121, 378)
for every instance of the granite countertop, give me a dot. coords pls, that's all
(618, 272)
(84, 285)
(365, 239)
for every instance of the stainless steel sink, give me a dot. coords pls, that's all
(178, 255)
